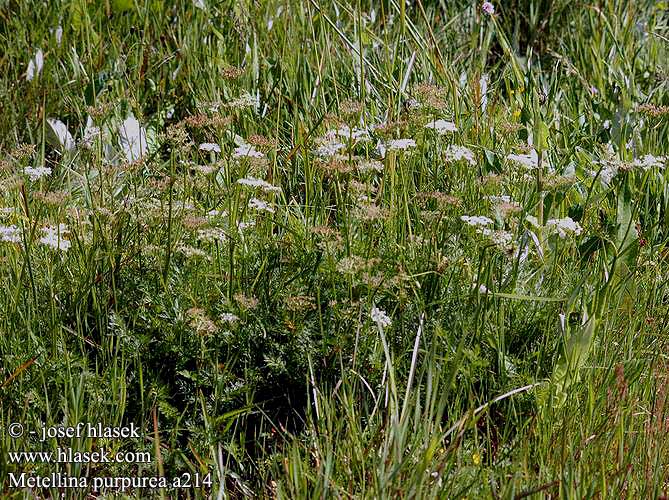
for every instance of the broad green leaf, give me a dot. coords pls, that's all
(541, 135)
(575, 352)
(626, 233)
(123, 5)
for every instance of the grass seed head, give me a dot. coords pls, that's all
(245, 302)
(231, 72)
(299, 303)
(653, 110)
(431, 97)
(349, 109)
(53, 198)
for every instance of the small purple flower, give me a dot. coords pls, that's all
(488, 8)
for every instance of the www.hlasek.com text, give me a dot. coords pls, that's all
(67, 455)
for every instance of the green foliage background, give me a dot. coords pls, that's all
(313, 399)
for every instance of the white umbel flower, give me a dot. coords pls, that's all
(10, 234)
(529, 161)
(370, 166)
(211, 234)
(381, 149)
(380, 317)
(503, 239)
(260, 205)
(90, 133)
(245, 101)
(395, 144)
(505, 198)
(329, 149)
(442, 127)
(458, 153)
(650, 161)
(607, 174)
(243, 226)
(36, 173)
(229, 318)
(564, 226)
(356, 134)
(258, 183)
(210, 146)
(217, 213)
(247, 151)
(54, 237)
(476, 220)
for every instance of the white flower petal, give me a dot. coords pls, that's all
(63, 135)
(132, 139)
(35, 65)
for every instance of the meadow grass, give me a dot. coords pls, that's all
(338, 249)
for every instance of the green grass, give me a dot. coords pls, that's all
(233, 324)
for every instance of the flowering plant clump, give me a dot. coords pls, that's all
(564, 226)
(210, 147)
(530, 160)
(247, 151)
(460, 153)
(400, 144)
(254, 182)
(380, 317)
(36, 173)
(54, 237)
(10, 234)
(476, 220)
(442, 126)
